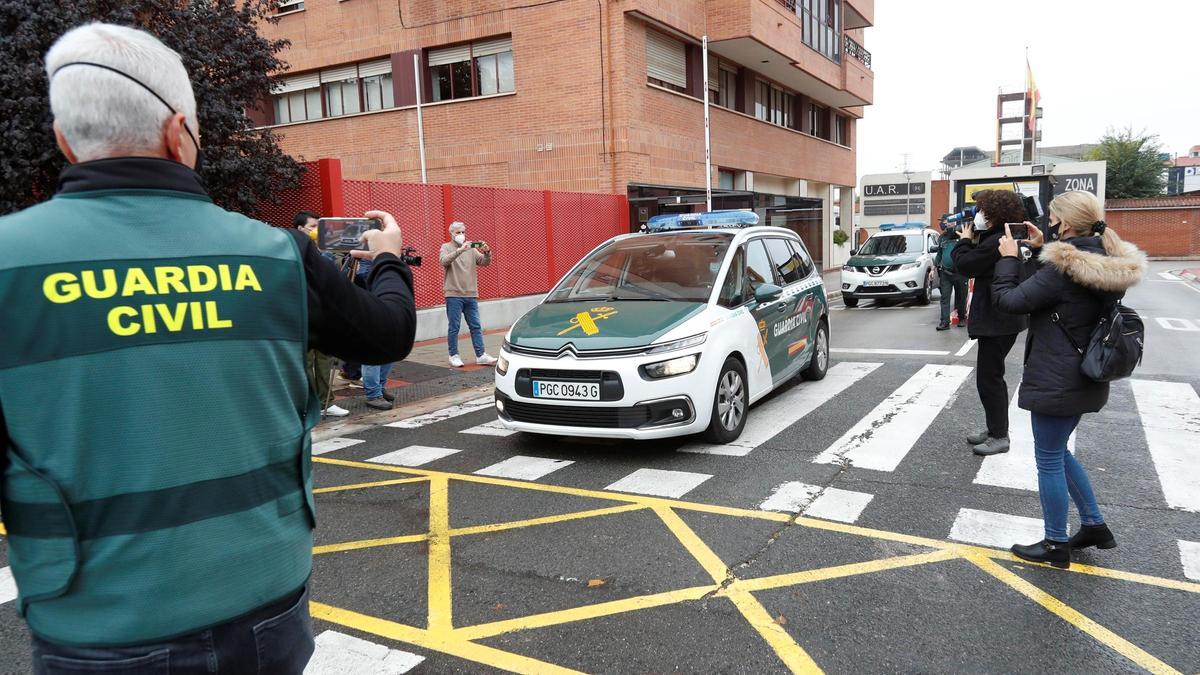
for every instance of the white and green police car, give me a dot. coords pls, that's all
(670, 332)
(896, 263)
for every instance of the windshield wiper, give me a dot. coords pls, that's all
(648, 298)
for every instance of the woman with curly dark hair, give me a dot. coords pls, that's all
(996, 331)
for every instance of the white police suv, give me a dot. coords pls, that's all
(674, 331)
(896, 263)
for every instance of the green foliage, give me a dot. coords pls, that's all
(840, 237)
(223, 52)
(1134, 168)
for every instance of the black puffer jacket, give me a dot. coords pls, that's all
(978, 261)
(1076, 280)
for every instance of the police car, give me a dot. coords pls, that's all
(896, 263)
(674, 331)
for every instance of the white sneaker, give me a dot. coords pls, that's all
(456, 361)
(485, 360)
(336, 411)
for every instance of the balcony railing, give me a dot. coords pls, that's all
(852, 48)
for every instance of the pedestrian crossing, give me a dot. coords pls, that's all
(901, 419)
(340, 654)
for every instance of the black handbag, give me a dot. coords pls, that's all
(1115, 346)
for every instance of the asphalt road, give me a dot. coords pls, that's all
(852, 530)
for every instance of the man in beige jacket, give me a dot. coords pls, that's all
(459, 259)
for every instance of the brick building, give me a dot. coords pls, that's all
(586, 95)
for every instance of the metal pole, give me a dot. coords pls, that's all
(420, 120)
(707, 136)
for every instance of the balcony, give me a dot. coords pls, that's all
(850, 48)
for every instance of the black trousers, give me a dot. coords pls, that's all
(989, 380)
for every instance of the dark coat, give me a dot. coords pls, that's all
(1076, 280)
(978, 261)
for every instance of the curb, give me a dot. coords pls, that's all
(332, 429)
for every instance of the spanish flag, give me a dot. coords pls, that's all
(1032, 95)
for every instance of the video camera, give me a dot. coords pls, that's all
(966, 215)
(408, 255)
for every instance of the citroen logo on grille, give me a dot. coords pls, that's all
(568, 348)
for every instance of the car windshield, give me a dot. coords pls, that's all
(891, 244)
(680, 266)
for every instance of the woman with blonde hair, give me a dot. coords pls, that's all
(1078, 279)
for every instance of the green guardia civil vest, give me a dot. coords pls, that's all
(158, 474)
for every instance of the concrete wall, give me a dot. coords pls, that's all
(493, 314)
(1166, 227)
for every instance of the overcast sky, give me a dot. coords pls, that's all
(1098, 64)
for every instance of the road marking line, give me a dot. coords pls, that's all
(378, 483)
(1015, 468)
(1171, 323)
(830, 503)
(966, 347)
(792, 654)
(337, 653)
(881, 440)
(1168, 276)
(8, 585)
(413, 455)
(1171, 421)
(493, 428)
(471, 406)
(1189, 554)
(369, 543)
(1072, 616)
(659, 482)
(995, 529)
(914, 352)
(544, 520)
(440, 602)
(520, 467)
(843, 571)
(334, 444)
(470, 651)
(770, 418)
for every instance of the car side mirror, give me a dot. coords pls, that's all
(935, 249)
(767, 293)
(853, 251)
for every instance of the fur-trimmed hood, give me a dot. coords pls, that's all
(1084, 261)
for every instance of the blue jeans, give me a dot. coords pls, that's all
(276, 638)
(1060, 474)
(457, 308)
(375, 379)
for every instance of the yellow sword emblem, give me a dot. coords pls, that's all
(587, 320)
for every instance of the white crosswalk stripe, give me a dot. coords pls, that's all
(413, 455)
(1015, 468)
(1171, 419)
(521, 467)
(781, 412)
(322, 447)
(659, 483)
(1189, 553)
(999, 530)
(829, 503)
(443, 414)
(493, 428)
(8, 585)
(340, 654)
(881, 439)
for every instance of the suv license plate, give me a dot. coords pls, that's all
(572, 391)
(875, 282)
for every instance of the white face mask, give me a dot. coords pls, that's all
(460, 238)
(980, 221)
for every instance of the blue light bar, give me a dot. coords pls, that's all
(901, 226)
(683, 221)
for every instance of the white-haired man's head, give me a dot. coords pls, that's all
(457, 226)
(99, 113)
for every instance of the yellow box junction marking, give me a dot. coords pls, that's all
(441, 635)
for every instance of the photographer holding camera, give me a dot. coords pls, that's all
(167, 521)
(950, 282)
(975, 257)
(459, 259)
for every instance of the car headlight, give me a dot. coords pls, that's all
(910, 266)
(847, 268)
(502, 364)
(676, 366)
(678, 344)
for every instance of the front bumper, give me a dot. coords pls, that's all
(635, 408)
(897, 284)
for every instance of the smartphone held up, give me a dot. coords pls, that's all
(344, 234)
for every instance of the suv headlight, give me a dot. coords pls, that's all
(847, 268)
(502, 364)
(678, 344)
(676, 366)
(910, 266)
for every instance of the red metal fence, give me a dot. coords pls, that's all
(535, 235)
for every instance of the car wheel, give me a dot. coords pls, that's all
(927, 292)
(731, 402)
(849, 302)
(819, 364)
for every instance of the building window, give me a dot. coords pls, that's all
(298, 98)
(822, 22)
(722, 83)
(345, 90)
(341, 92)
(666, 61)
(841, 131)
(774, 105)
(378, 93)
(818, 121)
(477, 69)
(285, 6)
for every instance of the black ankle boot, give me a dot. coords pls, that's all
(1093, 535)
(1055, 553)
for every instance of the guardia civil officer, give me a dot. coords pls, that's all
(160, 512)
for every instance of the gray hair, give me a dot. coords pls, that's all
(102, 114)
(457, 224)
